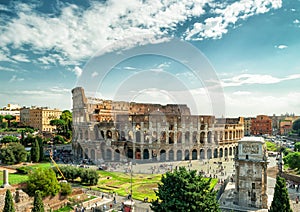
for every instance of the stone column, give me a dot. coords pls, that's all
(5, 179)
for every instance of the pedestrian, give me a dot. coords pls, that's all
(297, 199)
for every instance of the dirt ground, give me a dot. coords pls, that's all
(10, 170)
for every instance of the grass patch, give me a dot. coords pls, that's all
(15, 179)
(65, 209)
(143, 185)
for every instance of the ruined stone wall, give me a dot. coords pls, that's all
(112, 131)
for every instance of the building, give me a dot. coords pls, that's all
(261, 125)
(247, 126)
(116, 131)
(24, 116)
(285, 127)
(276, 120)
(14, 113)
(39, 118)
(251, 173)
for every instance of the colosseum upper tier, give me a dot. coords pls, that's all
(105, 130)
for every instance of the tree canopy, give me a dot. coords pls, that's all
(296, 126)
(184, 190)
(38, 205)
(9, 204)
(13, 153)
(43, 180)
(281, 202)
(9, 139)
(293, 160)
(35, 151)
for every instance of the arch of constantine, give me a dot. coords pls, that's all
(105, 130)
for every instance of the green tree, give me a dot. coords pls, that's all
(9, 204)
(38, 205)
(292, 160)
(184, 190)
(60, 125)
(9, 118)
(281, 202)
(70, 172)
(89, 176)
(41, 148)
(296, 126)
(297, 147)
(35, 151)
(1, 118)
(67, 117)
(43, 180)
(58, 140)
(65, 188)
(3, 125)
(9, 139)
(13, 153)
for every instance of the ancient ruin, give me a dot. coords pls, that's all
(251, 173)
(105, 130)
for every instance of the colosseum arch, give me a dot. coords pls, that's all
(117, 155)
(86, 153)
(186, 154)
(163, 137)
(226, 152)
(195, 135)
(108, 155)
(209, 154)
(171, 155)
(171, 138)
(216, 153)
(138, 136)
(216, 137)
(179, 137)
(202, 154)
(187, 137)
(93, 154)
(202, 135)
(162, 155)
(146, 154)
(230, 151)
(108, 134)
(194, 154)
(209, 137)
(179, 155)
(130, 135)
(221, 152)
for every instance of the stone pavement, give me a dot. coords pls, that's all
(218, 168)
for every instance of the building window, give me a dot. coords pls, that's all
(253, 185)
(247, 157)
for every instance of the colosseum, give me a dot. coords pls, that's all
(105, 130)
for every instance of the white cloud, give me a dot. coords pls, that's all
(14, 78)
(129, 68)
(2, 68)
(241, 93)
(20, 58)
(296, 21)
(94, 74)
(281, 46)
(78, 33)
(226, 15)
(77, 70)
(247, 79)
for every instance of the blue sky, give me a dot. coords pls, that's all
(49, 47)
